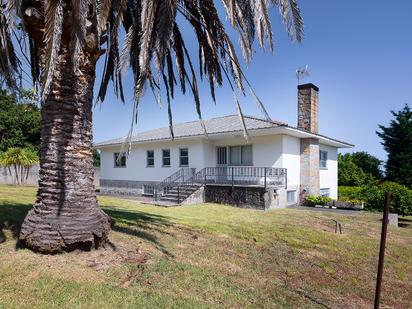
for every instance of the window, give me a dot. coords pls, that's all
(291, 197)
(119, 159)
(148, 189)
(150, 158)
(323, 159)
(240, 155)
(184, 156)
(166, 157)
(221, 155)
(325, 192)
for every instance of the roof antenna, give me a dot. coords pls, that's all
(301, 73)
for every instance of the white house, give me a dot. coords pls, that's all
(279, 165)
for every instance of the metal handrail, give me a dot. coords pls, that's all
(179, 176)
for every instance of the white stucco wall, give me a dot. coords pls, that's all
(329, 176)
(291, 160)
(136, 168)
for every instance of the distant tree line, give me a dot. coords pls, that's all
(19, 121)
(361, 176)
(20, 127)
(361, 168)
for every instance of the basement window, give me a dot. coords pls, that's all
(148, 190)
(291, 197)
(119, 159)
(325, 192)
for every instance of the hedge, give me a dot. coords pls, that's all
(374, 196)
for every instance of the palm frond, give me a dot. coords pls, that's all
(52, 38)
(103, 11)
(9, 62)
(80, 10)
(290, 12)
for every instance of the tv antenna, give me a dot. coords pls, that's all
(301, 73)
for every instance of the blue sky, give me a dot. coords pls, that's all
(359, 54)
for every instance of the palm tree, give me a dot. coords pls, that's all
(21, 160)
(62, 41)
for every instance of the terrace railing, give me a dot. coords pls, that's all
(243, 175)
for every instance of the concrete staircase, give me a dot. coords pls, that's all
(178, 194)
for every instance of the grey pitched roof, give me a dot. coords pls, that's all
(225, 124)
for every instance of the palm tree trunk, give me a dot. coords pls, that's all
(66, 215)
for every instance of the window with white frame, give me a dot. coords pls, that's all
(119, 159)
(150, 158)
(184, 156)
(221, 155)
(323, 159)
(291, 197)
(148, 189)
(166, 157)
(325, 192)
(240, 155)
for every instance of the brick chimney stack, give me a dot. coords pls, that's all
(308, 107)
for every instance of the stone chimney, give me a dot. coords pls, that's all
(309, 147)
(308, 108)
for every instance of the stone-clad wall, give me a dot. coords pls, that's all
(240, 196)
(308, 108)
(309, 167)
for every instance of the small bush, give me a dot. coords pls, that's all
(313, 200)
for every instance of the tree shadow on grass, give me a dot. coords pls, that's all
(405, 222)
(11, 218)
(141, 224)
(136, 223)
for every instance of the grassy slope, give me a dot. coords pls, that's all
(209, 256)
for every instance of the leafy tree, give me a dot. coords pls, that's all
(19, 121)
(19, 161)
(66, 38)
(397, 142)
(350, 174)
(368, 163)
(96, 158)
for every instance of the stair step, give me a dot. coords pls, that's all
(181, 192)
(170, 199)
(175, 194)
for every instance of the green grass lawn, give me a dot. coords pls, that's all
(208, 256)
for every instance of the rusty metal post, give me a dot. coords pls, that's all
(382, 249)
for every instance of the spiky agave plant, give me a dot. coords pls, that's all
(62, 41)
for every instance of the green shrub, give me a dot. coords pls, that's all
(374, 197)
(346, 192)
(401, 198)
(313, 200)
